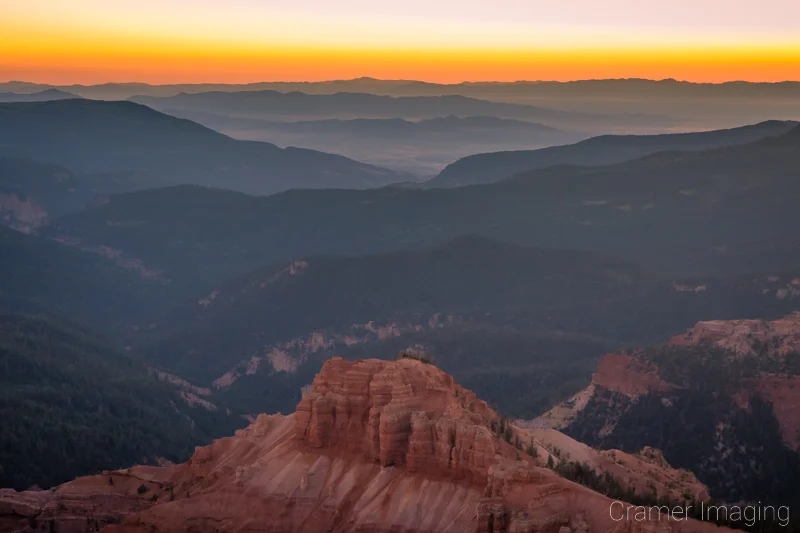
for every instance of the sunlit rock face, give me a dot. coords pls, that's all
(375, 446)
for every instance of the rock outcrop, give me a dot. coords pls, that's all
(374, 446)
(721, 400)
(768, 339)
(646, 472)
(418, 419)
(623, 373)
(21, 214)
(628, 375)
(772, 346)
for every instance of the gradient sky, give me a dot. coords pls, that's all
(171, 41)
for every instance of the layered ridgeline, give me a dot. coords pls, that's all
(522, 326)
(39, 96)
(721, 400)
(423, 147)
(373, 446)
(300, 106)
(70, 405)
(632, 88)
(730, 209)
(691, 106)
(604, 150)
(90, 137)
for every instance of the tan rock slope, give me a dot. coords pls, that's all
(374, 446)
(772, 339)
(646, 472)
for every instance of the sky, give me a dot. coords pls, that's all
(447, 41)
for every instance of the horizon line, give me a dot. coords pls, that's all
(404, 80)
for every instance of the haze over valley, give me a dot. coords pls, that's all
(284, 268)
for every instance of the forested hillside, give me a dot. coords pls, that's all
(70, 405)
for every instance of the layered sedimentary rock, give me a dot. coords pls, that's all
(624, 373)
(400, 413)
(374, 446)
(628, 375)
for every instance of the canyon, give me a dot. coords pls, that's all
(771, 346)
(721, 395)
(374, 446)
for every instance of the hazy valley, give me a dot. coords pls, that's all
(397, 306)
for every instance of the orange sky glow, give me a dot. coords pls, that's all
(176, 41)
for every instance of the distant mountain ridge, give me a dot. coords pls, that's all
(684, 212)
(422, 147)
(691, 106)
(296, 105)
(42, 96)
(363, 105)
(419, 88)
(393, 126)
(131, 137)
(603, 150)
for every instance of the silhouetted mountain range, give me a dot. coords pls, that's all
(686, 212)
(691, 106)
(296, 105)
(603, 150)
(466, 128)
(42, 96)
(96, 137)
(630, 87)
(423, 147)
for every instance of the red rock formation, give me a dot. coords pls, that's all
(623, 373)
(783, 392)
(626, 374)
(374, 447)
(770, 343)
(420, 419)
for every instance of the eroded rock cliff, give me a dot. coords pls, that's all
(721, 400)
(374, 446)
